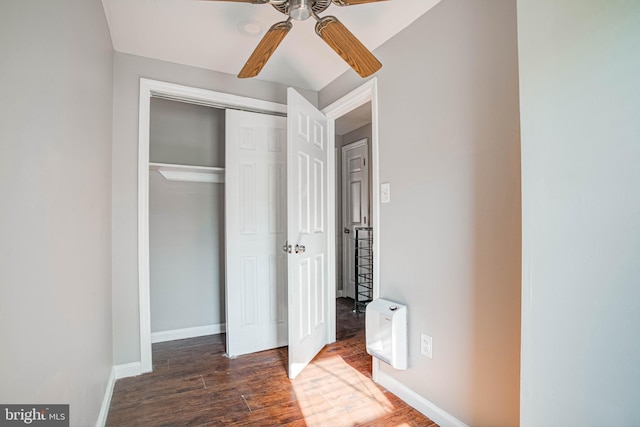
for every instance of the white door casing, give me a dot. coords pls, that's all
(255, 205)
(355, 205)
(308, 236)
(367, 92)
(148, 89)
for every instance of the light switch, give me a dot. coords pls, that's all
(385, 192)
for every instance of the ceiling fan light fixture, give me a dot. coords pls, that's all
(250, 28)
(300, 9)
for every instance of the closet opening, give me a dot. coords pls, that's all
(186, 220)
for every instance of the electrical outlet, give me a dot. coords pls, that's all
(426, 345)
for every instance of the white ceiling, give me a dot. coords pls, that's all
(205, 34)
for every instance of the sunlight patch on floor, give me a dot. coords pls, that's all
(331, 390)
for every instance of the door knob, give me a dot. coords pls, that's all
(286, 248)
(300, 249)
(346, 230)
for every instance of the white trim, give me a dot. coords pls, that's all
(144, 294)
(426, 407)
(127, 370)
(368, 92)
(339, 294)
(354, 99)
(355, 144)
(153, 88)
(331, 228)
(210, 98)
(106, 401)
(180, 334)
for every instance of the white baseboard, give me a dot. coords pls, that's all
(339, 294)
(117, 372)
(179, 334)
(106, 401)
(419, 403)
(127, 370)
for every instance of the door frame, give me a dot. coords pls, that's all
(367, 92)
(362, 142)
(158, 89)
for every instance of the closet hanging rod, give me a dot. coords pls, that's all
(214, 105)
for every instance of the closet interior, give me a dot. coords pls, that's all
(186, 220)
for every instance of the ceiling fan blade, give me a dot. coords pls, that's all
(353, 2)
(265, 49)
(345, 44)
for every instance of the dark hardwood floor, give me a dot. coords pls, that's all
(194, 384)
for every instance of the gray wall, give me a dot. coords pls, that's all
(186, 219)
(186, 134)
(128, 69)
(55, 213)
(450, 238)
(580, 104)
(186, 244)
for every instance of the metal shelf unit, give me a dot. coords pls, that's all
(363, 267)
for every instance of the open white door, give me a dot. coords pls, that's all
(307, 153)
(256, 226)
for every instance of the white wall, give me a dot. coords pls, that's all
(580, 105)
(186, 219)
(128, 69)
(450, 238)
(55, 210)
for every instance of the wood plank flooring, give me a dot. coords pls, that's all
(194, 384)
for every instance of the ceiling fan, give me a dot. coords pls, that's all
(332, 31)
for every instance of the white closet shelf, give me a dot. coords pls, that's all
(189, 173)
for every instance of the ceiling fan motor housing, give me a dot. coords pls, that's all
(301, 9)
